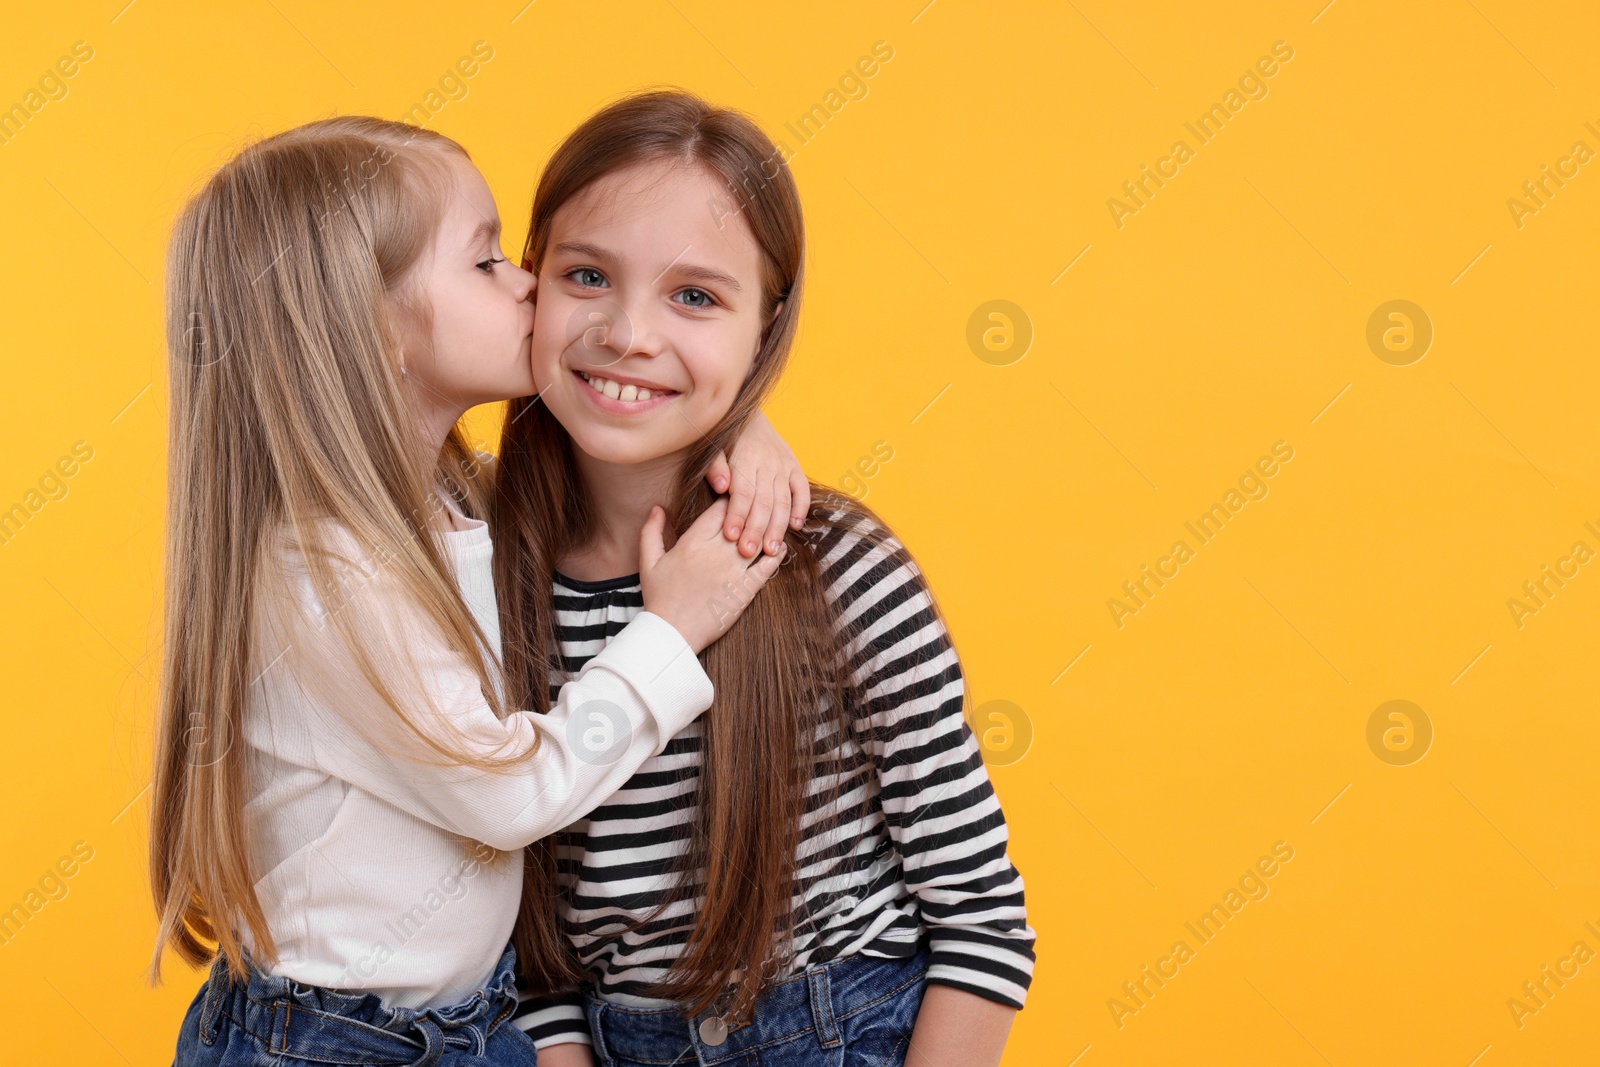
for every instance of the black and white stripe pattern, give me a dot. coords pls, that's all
(913, 841)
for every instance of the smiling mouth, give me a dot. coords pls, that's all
(625, 394)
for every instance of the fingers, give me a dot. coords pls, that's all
(751, 580)
(755, 527)
(767, 565)
(778, 520)
(702, 569)
(799, 498)
(652, 545)
(717, 475)
(709, 523)
(740, 499)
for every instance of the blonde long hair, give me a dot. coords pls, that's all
(288, 414)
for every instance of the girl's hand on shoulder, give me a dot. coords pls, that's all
(703, 584)
(568, 1054)
(767, 489)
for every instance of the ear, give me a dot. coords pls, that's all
(762, 340)
(405, 328)
(776, 311)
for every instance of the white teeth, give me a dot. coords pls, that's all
(632, 394)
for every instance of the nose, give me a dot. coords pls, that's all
(523, 283)
(646, 337)
(608, 331)
(643, 336)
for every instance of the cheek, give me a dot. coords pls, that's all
(719, 368)
(452, 317)
(547, 339)
(495, 314)
(710, 401)
(468, 347)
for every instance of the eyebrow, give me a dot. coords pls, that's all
(687, 270)
(489, 228)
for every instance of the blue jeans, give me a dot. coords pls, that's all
(283, 1023)
(851, 1012)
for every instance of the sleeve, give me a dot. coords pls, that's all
(939, 805)
(553, 1020)
(322, 712)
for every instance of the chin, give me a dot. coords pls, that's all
(620, 453)
(620, 447)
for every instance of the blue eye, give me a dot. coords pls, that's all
(487, 266)
(704, 299)
(587, 277)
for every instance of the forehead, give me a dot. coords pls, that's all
(661, 205)
(467, 202)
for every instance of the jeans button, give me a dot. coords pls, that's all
(713, 1031)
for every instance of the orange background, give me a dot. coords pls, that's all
(1145, 767)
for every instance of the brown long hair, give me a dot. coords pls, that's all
(779, 673)
(287, 412)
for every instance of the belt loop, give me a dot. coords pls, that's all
(280, 1027)
(433, 1042)
(597, 1032)
(822, 1006)
(218, 992)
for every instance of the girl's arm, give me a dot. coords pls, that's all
(939, 808)
(767, 488)
(954, 1029)
(566, 1055)
(323, 711)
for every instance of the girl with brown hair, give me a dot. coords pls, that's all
(336, 764)
(816, 872)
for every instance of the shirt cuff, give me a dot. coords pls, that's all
(656, 660)
(982, 962)
(555, 1021)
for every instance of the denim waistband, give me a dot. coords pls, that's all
(314, 1023)
(816, 999)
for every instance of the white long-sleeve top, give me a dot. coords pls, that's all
(369, 864)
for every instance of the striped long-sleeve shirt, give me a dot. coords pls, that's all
(924, 856)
